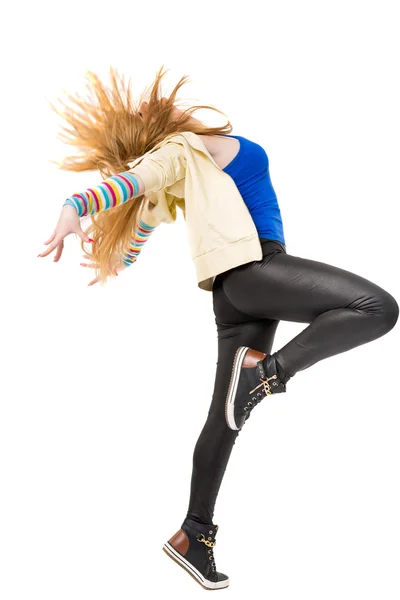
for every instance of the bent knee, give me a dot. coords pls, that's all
(388, 311)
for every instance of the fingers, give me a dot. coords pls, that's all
(83, 235)
(59, 251)
(52, 246)
(51, 238)
(58, 241)
(115, 271)
(96, 280)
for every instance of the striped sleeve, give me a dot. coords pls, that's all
(139, 238)
(112, 192)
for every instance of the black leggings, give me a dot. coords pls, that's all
(343, 310)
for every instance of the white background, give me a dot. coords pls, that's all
(106, 389)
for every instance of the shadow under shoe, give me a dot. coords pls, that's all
(254, 376)
(192, 548)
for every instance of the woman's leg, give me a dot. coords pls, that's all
(214, 446)
(343, 310)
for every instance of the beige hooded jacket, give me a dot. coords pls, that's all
(179, 171)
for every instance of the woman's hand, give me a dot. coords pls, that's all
(120, 267)
(69, 222)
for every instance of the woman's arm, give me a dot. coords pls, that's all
(140, 234)
(139, 237)
(155, 171)
(112, 192)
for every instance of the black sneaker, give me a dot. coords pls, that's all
(192, 548)
(254, 376)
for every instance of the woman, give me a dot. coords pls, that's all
(156, 158)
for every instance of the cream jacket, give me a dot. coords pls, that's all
(180, 172)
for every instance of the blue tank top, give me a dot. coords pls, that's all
(250, 171)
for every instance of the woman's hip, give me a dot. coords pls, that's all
(287, 287)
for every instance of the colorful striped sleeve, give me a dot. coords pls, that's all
(112, 192)
(139, 238)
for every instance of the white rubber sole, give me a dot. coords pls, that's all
(233, 384)
(208, 585)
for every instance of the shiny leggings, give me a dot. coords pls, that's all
(343, 311)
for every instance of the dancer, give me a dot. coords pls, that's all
(156, 158)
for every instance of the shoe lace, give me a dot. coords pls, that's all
(210, 543)
(265, 385)
(252, 403)
(258, 396)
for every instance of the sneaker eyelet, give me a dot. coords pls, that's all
(249, 403)
(209, 539)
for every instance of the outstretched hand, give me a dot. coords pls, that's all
(120, 267)
(69, 222)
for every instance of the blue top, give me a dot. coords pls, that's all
(250, 171)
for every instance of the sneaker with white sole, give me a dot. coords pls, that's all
(192, 547)
(254, 376)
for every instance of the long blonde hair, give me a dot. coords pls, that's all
(109, 132)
